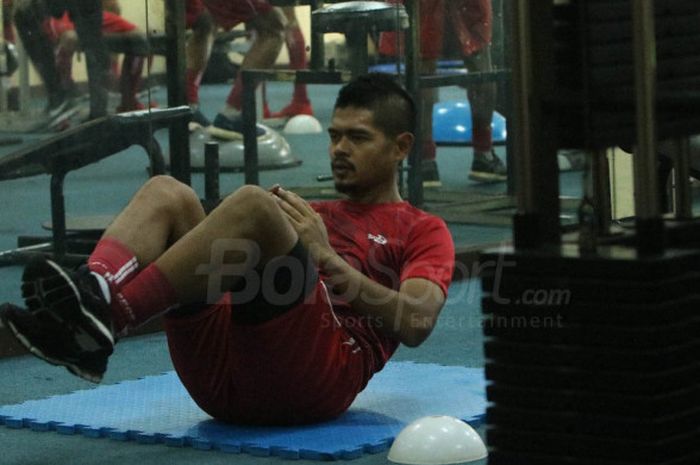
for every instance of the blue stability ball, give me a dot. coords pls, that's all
(452, 123)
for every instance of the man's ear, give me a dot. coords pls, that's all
(404, 143)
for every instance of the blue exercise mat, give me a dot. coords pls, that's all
(157, 409)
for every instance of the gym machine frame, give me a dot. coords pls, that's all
(614, 378)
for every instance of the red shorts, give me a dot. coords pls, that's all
(112, 23)
(471, 20)
(226, 13)
(299, 367)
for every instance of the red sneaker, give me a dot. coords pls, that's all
(293, 109)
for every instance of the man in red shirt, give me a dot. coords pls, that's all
(203, 16)
(277, 311)
(472, 23)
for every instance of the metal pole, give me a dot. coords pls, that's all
(175, 66)
(647, 205)
(647, 202)
(23, 78)
(3, 63)
(211, 171)
(415, 178)
(526, 221)
(522, 90)
(601, 191)
(317, 41)
(250, 139)
(683, 198)
(58, 216)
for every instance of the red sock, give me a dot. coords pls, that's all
(192, 80)
(235, 97)
(481, 136)
(296, 47)
(148, 295)
(114, 261)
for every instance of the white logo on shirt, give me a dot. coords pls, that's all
(379, 239)
(352, 342)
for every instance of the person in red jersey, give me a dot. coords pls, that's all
(203, 17)
(472, 23)
(30, 17)
(115, 31)
(277, 311)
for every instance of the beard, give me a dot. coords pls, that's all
(347, 189)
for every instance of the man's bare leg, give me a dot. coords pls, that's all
(486, 166)
(165, 224)
(198, 50)
(269, 29)
(251, 217)
(73, 316)
(296, 48)
(482, 97)
(160, 213)
(199, 44)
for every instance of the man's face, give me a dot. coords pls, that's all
(362, 157)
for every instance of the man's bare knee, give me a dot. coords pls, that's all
(168, 190)
(175, 200)
(251, 201)
(258, 217)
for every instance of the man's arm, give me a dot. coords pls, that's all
(408, 314)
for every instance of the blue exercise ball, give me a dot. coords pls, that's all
(452, 123)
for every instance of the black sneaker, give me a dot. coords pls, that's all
(67, 320)
(199, 118)
(54, 342)
(60, 113)
(234, 124)
(487, 168)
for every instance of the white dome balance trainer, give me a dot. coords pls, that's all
(437, 440)
(302, 124)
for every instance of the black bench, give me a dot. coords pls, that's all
(75, 148)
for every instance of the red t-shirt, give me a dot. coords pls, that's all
(389, 243)
(296, 368)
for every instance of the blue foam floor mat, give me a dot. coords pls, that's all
(158, 410)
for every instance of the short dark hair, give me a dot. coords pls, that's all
(392, 107)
